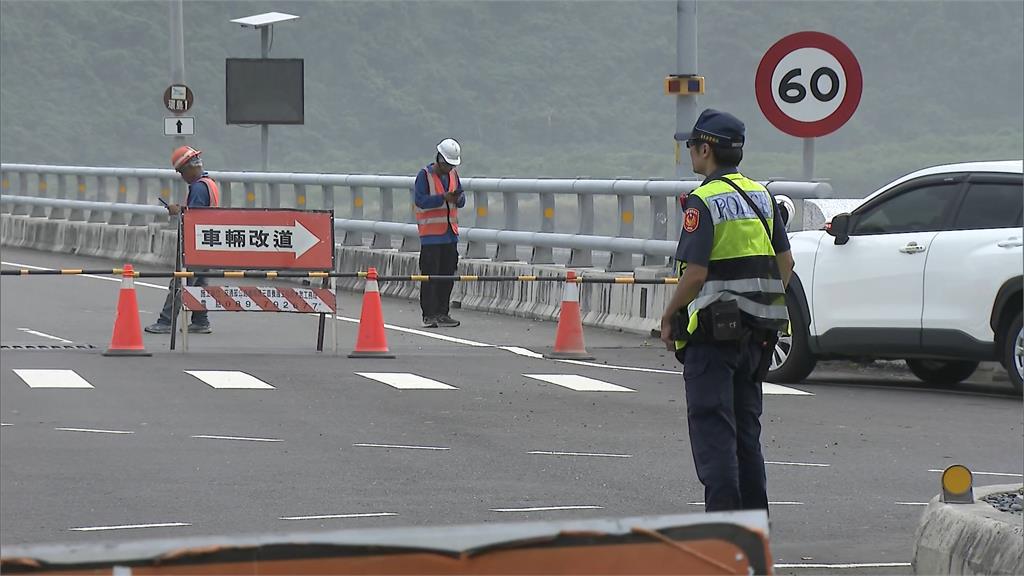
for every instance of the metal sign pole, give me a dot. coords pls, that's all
(808, 159)
(320, 329)
(176, 285)
(334, 331)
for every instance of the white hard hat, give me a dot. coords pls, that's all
(450, 150)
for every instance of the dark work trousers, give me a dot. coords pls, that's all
(723, 409)
(437, 259)
(200, 318)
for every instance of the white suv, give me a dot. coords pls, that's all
(928, 269)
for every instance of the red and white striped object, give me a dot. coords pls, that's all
(258, 299)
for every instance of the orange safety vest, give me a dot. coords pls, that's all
(435, 221)
(214, 190)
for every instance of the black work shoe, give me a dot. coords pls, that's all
(199, 329)
(430, 322)
(159, 328)
(446, 321)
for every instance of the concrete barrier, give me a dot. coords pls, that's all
(970, 538)
(625, 307)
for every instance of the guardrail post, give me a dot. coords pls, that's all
(250, 195)
(478, 249)
(411, 243)
(355, 238)
(509, 252)
(97, 216)
(659, 227)
(623, 261)
(77, 214)
(163, 190)
(544, 255)
(62, 194)
(120, 197)
(141, 198)
(300, 196)
(274, 200)
(5, 188)
(42, 186)
(21, 209)
(387, 214)
(328, 197)
(584, 258)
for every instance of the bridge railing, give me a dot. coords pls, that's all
(502, 214)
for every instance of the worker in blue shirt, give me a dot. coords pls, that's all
(202, 192)
(438, 197)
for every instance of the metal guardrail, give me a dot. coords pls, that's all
(104, 194)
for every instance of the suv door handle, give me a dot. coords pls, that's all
(912, 248)
(1011, 243)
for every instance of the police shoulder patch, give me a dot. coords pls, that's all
(691, 219)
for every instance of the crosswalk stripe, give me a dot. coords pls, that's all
(230, 380)
(579, 383)
(406, 381)
(768, 388)
(52, 379)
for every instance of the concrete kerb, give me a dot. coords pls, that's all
(627, 307)
(970, 538)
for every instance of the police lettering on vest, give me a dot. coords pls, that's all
(742, 265)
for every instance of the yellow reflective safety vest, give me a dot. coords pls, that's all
(742, 265)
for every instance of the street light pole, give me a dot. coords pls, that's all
(265, 33)
(686, 64)
(177, 20)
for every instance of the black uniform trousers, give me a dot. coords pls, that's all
(723, 408)
(200, 318)
(437, 259)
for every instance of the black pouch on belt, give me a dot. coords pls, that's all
(722, 321)
(768, 342)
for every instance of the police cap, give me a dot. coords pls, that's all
(719, 129)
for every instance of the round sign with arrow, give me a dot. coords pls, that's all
(808, 84)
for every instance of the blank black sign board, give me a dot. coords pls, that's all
(264, 91)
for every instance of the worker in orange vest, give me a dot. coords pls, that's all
(202, 192)
(438, 197)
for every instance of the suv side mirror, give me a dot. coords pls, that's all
(839, 228)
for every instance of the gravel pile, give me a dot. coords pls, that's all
(1012, 502)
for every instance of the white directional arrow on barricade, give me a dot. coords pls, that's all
(225, 238)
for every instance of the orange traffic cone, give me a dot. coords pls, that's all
(371, 342)
(127, 337)
(569, 337)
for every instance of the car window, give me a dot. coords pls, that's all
(991, 205)
(916, 210)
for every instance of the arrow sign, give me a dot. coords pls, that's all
(247, 239)
(179, 126)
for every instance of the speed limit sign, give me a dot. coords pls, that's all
(808, 84)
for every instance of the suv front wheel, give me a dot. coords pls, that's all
(1013, 352)
(942, 372)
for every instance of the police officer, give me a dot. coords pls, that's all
(723, 320)
(202, 192)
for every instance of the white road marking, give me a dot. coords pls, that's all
(5, 424)
(97, 431)
(810, 464)
(521, 351)
(1010, 474)
(129, 526)
(406, 381)
(327, 516)
(45, 335)
(842, 566)
(546, 508)
(52, 379)
(768, 388)
(364, 445)
(248, 438)
(911, 503)
(579, 383)
(433, 335)
(783, 503)
(230, 380)
(596, 454)
(106, 278)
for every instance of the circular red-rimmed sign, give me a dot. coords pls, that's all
(808, 84)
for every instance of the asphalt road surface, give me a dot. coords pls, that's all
(252, 431)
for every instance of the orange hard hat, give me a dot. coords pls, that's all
(182, 155)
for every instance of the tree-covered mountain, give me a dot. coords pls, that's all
(531, 88)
